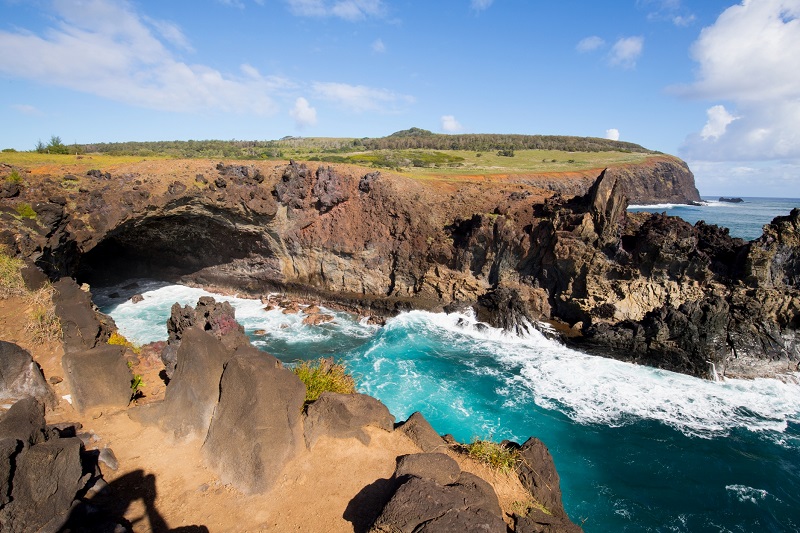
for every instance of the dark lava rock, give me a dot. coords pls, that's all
(293, 187)
(21, 377)
(439, 467)
(330, 189)
(9, 189)
(421, 433)
(538, 474)
(98, 377)
(367, 182)
(176, 188)
(193, 390)
(345, 415)
(257, 424)
(423, 504)
(80, 327)
(731, 200)
(33, 276)
(24, 423)
(94, 173)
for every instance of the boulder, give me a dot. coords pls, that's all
(439, 467)
(422, 433)
(46, 480)
(257, 424)
(344, 416)
(24, 423)
(317, 319)
(193, 391)
(216, 318)
(536, 521)
(80, 327)
(21, 377)
(98, 377)
(33, 276)
(421, 504)
(538, 475)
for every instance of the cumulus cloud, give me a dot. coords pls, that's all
(613, 134)
(590, 44)
(749, 59)
(303, 114)
(450, 124)
(351, 10)
(104, 47)
(480, 5)
(626, 51)
(360, 98)
(718, 120)
(668, 10)
(378, 47)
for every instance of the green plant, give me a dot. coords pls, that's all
(14, 177)
(25, 210)
(324, 375)
(493, 454)
(118, 339)
(523, 507)
(136, 386)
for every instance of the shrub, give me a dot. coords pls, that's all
(493, 454)
(14, 177)
(136, 385)
(119, 340)
(25, 210)
(324, 375)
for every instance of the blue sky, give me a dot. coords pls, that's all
(714, 82)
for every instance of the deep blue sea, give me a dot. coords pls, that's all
(744, 220)
(638, 449)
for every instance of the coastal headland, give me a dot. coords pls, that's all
(520, 248)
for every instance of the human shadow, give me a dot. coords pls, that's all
(366, 506)
(105, 509)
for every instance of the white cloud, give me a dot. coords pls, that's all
(378, 47)
(352, 10)
(589, 44)
(626, 52)
(613, 134)
(718, 121)
(450, 124)
(27, 109)
(683, 20)
(171, 33)
(480, 5)
(360, 98)
(303, 114)
(104, 47)
(749, 58)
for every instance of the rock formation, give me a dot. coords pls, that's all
(641, 287)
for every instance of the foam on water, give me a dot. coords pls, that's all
(588, 389)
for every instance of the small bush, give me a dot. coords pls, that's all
(324, 375)
(14, 177)
(493, 454)
(119, 340)
(136, 386)
(25, 210)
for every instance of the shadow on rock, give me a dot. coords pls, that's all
(365, 506)
(105, 510)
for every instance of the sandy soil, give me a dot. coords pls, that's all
(162, 485)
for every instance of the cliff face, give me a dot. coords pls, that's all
(646, 288)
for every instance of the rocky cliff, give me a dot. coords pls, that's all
(647, 288)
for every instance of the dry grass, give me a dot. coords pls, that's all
(324, 375)
(117, 339)
(43, 324)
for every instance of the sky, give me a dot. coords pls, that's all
(714, 82)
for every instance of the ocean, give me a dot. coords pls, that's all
(637, 449)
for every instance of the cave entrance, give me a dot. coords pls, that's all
(166, 248)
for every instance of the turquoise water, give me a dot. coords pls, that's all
(744, 220)
(638, 449)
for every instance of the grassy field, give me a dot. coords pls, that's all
(416, 163)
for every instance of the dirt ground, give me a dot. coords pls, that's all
(163, 485)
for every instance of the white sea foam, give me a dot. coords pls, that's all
(597, 390)
(653, 206)
(747, 494)
(588, 389)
